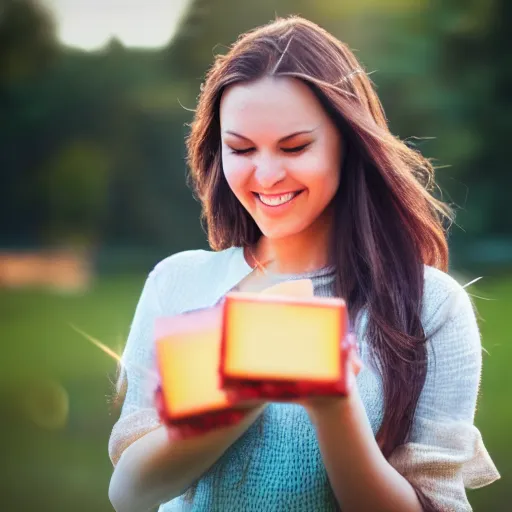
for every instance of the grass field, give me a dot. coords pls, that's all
(54, 388)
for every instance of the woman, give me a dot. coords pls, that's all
(292, 159)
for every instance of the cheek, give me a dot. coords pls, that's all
(319, 171)
(237, 172)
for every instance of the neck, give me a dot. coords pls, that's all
(302, 252)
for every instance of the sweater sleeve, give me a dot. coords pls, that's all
(138, 377)
(445, 453)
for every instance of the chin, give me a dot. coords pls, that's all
(280, 233)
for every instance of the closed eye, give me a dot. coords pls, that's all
(296, 149)
(242, 151)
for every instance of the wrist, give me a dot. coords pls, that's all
(332, 407)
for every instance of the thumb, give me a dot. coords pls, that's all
(353, 355)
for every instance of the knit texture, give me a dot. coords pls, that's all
(277, 465)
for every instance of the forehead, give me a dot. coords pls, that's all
(278, 104)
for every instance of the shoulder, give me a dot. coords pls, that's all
(191, 274)
(191, 261)
(439, 283)
(441, 290)
(447, 306)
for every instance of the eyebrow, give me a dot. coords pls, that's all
(283, 139)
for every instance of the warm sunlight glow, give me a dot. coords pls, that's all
(89, 24)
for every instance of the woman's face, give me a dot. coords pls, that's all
(281, 154)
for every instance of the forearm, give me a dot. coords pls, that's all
(154, 470)
(360, 476)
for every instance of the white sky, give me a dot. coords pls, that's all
(89, 24)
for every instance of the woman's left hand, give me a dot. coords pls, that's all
(353, 368)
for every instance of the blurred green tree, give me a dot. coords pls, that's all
(27, 39)
(74, 190)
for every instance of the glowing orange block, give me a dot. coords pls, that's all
(190, 398)
(188, 354)
(283, 347)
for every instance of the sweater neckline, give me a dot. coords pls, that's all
(328, 270)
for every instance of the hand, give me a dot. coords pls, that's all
(313, 404)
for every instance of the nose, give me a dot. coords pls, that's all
(268, 172)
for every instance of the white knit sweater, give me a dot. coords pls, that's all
(444, 453)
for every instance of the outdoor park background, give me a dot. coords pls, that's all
(93, 194)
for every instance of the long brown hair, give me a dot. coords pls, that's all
(388, 225)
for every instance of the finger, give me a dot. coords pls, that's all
(357, 366)
(355, 362)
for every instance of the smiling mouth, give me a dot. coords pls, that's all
(277, 199)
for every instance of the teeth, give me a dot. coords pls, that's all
(276, 200)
